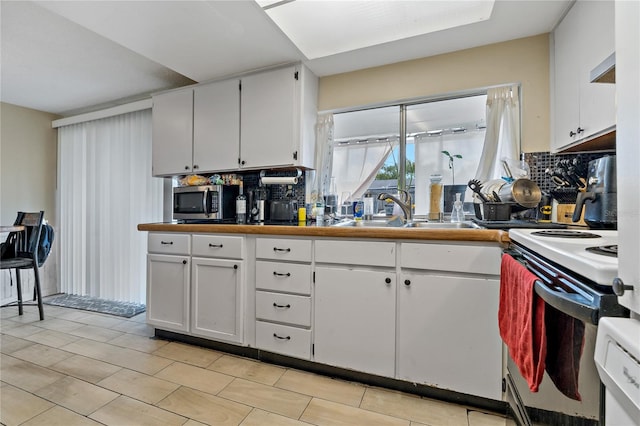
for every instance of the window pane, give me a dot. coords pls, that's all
(455, 126)
(366, 152)
(363, 142)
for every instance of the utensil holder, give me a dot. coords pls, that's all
(495, 211)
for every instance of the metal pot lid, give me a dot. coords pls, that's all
(526, 192)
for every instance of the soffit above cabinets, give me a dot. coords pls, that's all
(71, 57)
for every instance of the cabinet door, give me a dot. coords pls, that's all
(168, 291)
(448, 333)
(269, 118)
(355, 316)
(216, 126)
(216, 299)
(597, 100)
(172, 133)
(584, 38)
(566, 86)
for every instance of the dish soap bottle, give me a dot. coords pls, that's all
(457, 215)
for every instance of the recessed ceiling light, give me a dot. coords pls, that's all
(325, 27)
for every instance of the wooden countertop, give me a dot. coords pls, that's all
(471, 234)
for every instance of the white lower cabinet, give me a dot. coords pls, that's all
(448, 324)
(195, 284)
(283, 296)
(354, 323)
(168, 278)
(217, 299)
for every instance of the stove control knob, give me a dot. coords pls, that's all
(619, 287)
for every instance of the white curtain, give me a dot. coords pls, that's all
(105, 191)
(502, 137)
(357, 164)
(323, 159)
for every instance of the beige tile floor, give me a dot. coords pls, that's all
(82, 368)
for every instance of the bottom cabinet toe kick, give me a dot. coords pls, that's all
(403, 314)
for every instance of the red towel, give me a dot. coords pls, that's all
(565, 342)
(521, 320)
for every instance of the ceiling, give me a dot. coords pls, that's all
(69, 57)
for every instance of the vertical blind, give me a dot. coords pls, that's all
(105, 191)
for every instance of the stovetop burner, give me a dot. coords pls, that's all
(565, 233)
(611, 250)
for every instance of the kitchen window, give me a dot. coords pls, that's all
(443, 137)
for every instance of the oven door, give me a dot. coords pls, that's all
(578, 298)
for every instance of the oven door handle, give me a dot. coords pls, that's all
(571, 304)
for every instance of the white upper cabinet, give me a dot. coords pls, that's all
(263, 120)
(172, 134)
(278, 110)
(216, 125)
(582, 110)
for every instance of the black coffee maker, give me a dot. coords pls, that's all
(600, 198)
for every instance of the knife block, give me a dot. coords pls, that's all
(564, 213)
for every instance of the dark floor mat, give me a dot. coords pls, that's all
(111, 307)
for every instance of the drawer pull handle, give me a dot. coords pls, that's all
(166, 242)
(279, 249)
(277, 274)
(215, 245)
(281, 338)
(275, 305)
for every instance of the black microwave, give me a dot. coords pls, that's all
(205, 203)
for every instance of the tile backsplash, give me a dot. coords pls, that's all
(539, 162)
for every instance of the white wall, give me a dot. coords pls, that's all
(28, 149)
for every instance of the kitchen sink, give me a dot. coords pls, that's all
(442, 225)
(382, 223)
(414, 224)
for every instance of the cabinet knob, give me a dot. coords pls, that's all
(619, 287)
(387, 280)
(235, 266)
(407, 282)
(572, 133)
(195, 166)
(242, 162)
(184, 262)
(186, 167)
(579, 130)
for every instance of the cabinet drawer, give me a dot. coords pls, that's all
(283, 249)
(221, 246)
(282, 276)
(283, 339)
(169, 243)
(286, 308)
(451, 257)
(356, 252)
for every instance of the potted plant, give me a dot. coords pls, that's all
(451, 190)
(452, 157)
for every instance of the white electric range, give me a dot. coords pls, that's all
(575, 270)
(589, 253)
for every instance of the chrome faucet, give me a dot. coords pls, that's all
(404, 203)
